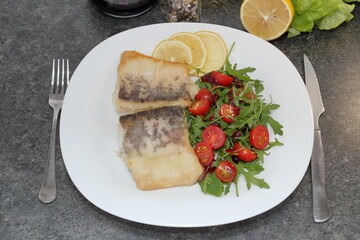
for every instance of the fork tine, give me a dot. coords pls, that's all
(58, 77)
(52, 78)
(62, 86)
(67, 72)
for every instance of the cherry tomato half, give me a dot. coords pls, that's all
(204, 94)
(243, 153)
(250, 95)
(222, 79)
(237, 91)
(259, 137)
(200, 107)
(226, 171)
(209, 78)
(214, 136)
(205, 153)
(229, 110)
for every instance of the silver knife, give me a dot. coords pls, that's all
(321, 208)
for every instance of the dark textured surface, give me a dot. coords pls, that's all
(34, 32)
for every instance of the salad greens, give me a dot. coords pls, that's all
(325, 14)
(253, 112)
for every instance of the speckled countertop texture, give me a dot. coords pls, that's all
(34, 32)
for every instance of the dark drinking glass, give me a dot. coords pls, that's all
(124, 8)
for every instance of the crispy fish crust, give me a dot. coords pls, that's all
(146, 83)
(156, 149)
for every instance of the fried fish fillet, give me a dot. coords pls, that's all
(156, 149)
(146, 83)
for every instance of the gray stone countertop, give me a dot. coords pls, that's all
(34, 32)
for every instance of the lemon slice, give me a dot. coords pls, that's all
(173, 51)
(268, 19)
(216, 50)
(197, 48)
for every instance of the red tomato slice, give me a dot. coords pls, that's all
(250, 95)
(243, 153)
(226, 171)
(209, 78)
(214, 136)
(237, 91)
(205, 153)
(222, 79)
(204, 94)
(229, 110)
(200, 107)
(259, 137)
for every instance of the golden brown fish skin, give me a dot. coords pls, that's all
(155, 146)
(136, 132)
(137, 89)
(146, 83)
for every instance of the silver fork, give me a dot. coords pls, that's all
(58, 87)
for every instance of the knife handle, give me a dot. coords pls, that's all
(321, 208)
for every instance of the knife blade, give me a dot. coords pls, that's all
(321, 208)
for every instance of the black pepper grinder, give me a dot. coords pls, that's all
(124, 8)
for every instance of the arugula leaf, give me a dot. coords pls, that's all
(273, 144)
(257, 181)
(260, 154)
(238, 73)
(275, 125)
(252, 169)
(212, 185)
(265, 119)
(201, 84)
(196, 128)
(227, 188)
(259, 87)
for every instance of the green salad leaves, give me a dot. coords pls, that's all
(253, 112)
(325, 14)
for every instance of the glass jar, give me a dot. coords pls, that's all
(124, 8)
(181, 10)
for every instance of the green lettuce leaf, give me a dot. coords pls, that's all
(292, 32)
(300, 24)
(311, 10)
(340, 15)
(325, 14)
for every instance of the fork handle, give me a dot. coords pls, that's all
(47, 192)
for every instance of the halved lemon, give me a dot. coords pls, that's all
(268, 19)
(197, 48)
(216, 50)
(173, 51)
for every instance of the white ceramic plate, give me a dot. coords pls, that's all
(88, 134)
